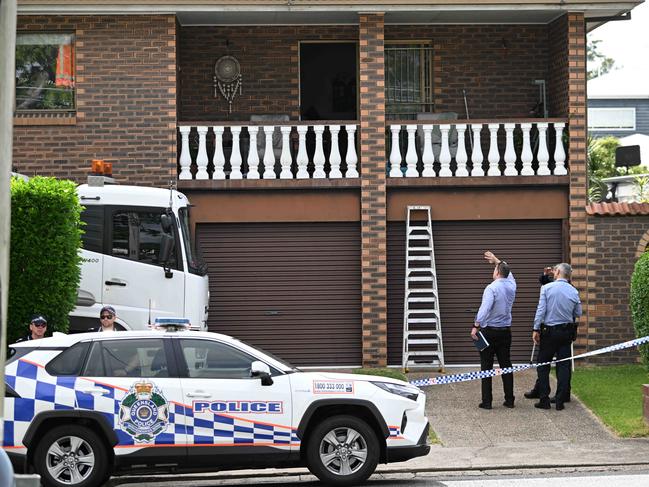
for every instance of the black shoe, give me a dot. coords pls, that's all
(560, 406)
(553, 400)
(543, 404)
(533, 394)
(484, 405)
(509, 404)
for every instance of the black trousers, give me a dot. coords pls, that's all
(500, 341)
(555, 341)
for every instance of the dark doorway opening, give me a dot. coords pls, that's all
(328, 81)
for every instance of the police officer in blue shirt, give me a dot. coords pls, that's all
(555, 329)
(494, 319)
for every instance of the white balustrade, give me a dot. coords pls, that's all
(526, 147)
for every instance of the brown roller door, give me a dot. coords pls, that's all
(293, 289)
(462, 274)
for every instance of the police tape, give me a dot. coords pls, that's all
(482, 374)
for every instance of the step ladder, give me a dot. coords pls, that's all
(422, 326)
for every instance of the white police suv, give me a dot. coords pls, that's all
(81, 407)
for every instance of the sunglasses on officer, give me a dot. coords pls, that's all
(106, 317)
(40, 324)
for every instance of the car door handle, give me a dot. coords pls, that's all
(199, 394)
(115, 283)
(95, 390)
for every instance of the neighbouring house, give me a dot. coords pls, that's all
(302, 130)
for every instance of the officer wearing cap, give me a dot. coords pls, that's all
(107, 317)
(37, 328)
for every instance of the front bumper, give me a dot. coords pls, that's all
(403, 453)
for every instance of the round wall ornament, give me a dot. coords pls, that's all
(227, 78)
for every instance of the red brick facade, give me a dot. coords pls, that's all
(126, 102)
(373, 191)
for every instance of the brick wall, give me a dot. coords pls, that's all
(613, 243)
(126, 102)
(373, 191)
(557, 82)
(495, 64)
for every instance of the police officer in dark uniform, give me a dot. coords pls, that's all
(37, 328)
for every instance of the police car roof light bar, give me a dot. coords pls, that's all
(172, 324)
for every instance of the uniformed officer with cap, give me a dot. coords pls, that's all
(37, 328)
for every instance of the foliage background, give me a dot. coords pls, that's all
(44, 259)
(640, 302)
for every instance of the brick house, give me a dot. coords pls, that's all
(356, 110)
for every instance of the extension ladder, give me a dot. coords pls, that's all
(422, 326)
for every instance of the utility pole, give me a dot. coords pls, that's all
(7, 89)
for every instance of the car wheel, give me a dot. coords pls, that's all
(342, 450)
(71, 456)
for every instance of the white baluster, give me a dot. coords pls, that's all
(526, 153)
(476, 154)
(351, 158)
(201, 159)
(559, 151)
(494, 156)
(219, 156)
(302, 156)
(235, 156)
(318, 156)
(427, 157)
(395, 153)
(269, 155)
(185, 157)
(445, 153)
(411, 153)
(542, 154)
(285, 157)
(334, 155)
(253, 156)
(510, 153)
(461, 156)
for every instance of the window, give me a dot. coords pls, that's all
(128, 358)
(622, 118)
(213, 360)
(92, 237)
(194, 260)
(137, 236)
(408, 80)
(69, 361)
(45, 72)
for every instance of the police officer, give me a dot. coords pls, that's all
(494, 319)
(37, 328)
(107, 317)
(554, 330)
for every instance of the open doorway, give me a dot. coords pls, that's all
(328, 81)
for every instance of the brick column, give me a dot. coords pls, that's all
(577, 160)
(645, 402)
(373, 195)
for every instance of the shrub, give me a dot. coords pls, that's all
(640, 302)
(44, 259)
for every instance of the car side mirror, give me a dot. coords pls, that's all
(261, 370)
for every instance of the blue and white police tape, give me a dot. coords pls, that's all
(481, 374)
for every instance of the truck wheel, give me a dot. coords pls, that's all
(342, 450)
(71, 456)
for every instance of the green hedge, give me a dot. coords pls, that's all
(45, 239)
(640, 302)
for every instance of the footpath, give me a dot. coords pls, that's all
(474, 439)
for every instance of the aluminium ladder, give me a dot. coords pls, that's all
(422, 327)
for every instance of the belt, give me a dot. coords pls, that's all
(560, 326)
(498, 328)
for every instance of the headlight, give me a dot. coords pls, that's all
(409, 392)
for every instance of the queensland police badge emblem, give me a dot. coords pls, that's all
(144, 412)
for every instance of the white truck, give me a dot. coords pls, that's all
(138, 257)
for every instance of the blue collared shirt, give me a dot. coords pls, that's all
(558, 304)
(497, 300)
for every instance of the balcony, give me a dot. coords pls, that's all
(449, 150)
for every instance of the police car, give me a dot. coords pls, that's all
(82, 407)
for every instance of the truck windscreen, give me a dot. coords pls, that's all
(194, 261)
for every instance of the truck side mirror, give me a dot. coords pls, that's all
(261, 370)
(166, 223)
(167, 244)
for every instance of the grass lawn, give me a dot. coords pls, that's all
(614, 394)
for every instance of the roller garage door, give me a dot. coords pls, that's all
(462, 274)
(293, 289)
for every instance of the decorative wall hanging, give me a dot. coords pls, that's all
(227, 78)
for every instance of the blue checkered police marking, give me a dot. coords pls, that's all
(41, 392)
(481, 374)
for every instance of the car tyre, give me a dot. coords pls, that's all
(342, 450)
(71, 456)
